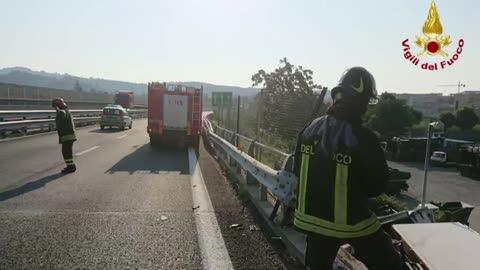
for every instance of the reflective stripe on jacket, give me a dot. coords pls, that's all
(339, 167)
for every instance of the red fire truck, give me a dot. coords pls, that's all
(174, 114)
(124, 99)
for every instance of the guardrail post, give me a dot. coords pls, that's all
(251, 152)
(231, 161)
(263, 193)
(260, 154)
(239, 169)
(233, 139)
(287, 215)
(288, 164)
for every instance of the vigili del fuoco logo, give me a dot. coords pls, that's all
(431, 44)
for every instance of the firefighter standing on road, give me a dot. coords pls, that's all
(340, 165)
(66, 133)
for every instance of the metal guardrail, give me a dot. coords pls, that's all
(269, 148)
(279, 183)
(45, 119)
(24, 114)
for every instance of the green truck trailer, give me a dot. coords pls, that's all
(469, 161)
(413, 149)
(410, 149)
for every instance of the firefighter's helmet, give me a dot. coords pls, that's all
(58, 103)
(356, 83)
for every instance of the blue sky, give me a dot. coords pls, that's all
(227, 41)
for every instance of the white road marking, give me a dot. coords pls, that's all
(214, 253)
(123, 136)
(86, 151)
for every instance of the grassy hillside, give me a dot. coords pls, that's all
(25, 76)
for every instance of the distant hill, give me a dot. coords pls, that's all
(25, 76)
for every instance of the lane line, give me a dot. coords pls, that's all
(123, 136)
(214, 253)
(86, 151)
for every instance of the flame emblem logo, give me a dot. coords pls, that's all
(434, 42)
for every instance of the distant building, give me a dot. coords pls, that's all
(470, 98)
(434, 104)
(431, 104)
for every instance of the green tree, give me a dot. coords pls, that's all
(466, 119)
(391, 116)
(417, 116)
(448, 119)
(286, 100)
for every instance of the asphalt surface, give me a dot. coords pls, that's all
(443, 184)
(108, 215)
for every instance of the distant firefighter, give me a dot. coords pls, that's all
(66, 133)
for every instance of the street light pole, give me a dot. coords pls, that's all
(431, 126)
(425, 168)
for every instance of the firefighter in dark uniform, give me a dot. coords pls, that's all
(340, 165)
(66, 133)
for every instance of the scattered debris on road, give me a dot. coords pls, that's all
(235, 225)
(254, 228)
(163, 218)
(195, 207)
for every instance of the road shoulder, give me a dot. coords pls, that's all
(248, 249)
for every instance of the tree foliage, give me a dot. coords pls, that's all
(448, 119)
(286, 100)
(417, 116)
(466, 118)
(392, 116)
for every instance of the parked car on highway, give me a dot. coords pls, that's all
(115, 116)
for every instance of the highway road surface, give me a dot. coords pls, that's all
(128, 206)
(443, 185)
